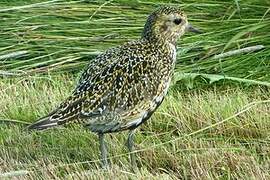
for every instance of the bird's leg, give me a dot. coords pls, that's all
(103, 150)
(130, 145)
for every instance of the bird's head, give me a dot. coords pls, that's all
(167, 23)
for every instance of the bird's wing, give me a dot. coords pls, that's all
(70, 109)
(92, 87)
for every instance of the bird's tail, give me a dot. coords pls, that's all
(43, 123)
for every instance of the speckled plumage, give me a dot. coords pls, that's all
(122, 87)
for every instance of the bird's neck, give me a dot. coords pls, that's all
(167, 45)
(160, 39)
(164, 42)
(165, 50)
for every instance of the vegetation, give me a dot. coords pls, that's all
(211, 125)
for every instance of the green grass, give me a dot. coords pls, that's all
(64, 35)
(212, 125)
(205, 133)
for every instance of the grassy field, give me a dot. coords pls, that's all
(214, 123)
(206, 133)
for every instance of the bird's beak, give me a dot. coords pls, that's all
(190, 28)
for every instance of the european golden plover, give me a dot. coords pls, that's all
(121, 88)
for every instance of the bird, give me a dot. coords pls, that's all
(122, 87)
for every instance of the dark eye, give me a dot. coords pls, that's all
(177, 21)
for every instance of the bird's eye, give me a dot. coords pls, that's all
(177, 21)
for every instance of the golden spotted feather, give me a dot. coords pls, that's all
(122, 87)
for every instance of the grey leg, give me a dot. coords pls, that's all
(103, 150)
(130, 145)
